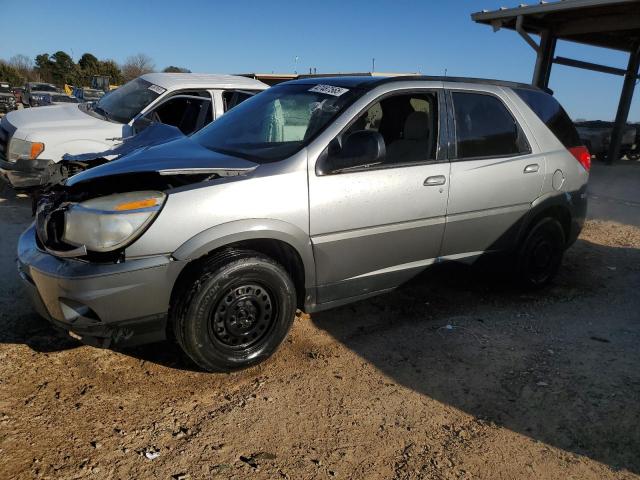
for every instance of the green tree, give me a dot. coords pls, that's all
(43, 67)
(64, 70)
(172, 69)
(10, 74)
(110, 67)
(88, 65)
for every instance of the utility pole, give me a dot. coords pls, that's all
(373, 65)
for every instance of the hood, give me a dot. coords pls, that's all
(178, 157)
(6, 94)
(63, 117)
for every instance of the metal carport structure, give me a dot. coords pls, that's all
(613, 24)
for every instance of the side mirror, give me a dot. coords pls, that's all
(361, 148)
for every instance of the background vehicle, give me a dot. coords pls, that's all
(34, 93)
(59, 99)
(102, 82)
(84, 94)
(7, 100)
(31, 140)
(313, 194)
(596, 135)
(17, 93)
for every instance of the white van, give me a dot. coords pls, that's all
(32, 139)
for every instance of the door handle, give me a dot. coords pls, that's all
(435, 181)
(533, 168)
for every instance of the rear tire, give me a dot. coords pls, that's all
(541, 253)
(234, 310)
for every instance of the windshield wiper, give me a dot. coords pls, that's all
(101, 111)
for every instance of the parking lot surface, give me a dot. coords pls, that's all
(456, 375)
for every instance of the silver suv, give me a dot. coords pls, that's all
(310, 195)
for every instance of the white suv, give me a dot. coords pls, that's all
(33, 139)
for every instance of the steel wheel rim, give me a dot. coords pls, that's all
(243, 316)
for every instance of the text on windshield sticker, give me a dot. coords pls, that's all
(329, 90)
(157, 89)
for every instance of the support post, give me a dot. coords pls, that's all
(624, 105)
(544, 60)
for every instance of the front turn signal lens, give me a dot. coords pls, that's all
(138, 204)
(36, 149)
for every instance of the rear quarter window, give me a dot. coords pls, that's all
(552, 114)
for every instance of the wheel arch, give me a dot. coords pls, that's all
(282, 241)
(556, 206)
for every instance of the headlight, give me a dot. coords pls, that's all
(21, 149)
(107, 223)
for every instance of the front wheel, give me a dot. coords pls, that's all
(234, 310)
(540, 255)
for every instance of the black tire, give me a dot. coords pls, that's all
(540, 255)
(234, 310)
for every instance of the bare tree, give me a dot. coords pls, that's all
(137, 65)
(24, 65)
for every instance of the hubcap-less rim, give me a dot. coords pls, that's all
(243, 315)
(541, 261)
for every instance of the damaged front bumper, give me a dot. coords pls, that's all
(102, 304)
(26, 173)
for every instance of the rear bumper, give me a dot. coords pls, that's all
(26, 173)
(101, 304)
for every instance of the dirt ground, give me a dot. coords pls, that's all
(457, 375)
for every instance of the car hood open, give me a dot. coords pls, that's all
(182, 156)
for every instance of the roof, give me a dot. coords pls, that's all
(348, 81)
(172, 81)
(602, 23)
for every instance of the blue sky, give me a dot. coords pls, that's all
(332, 36)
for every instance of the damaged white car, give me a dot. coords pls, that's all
(33, 141)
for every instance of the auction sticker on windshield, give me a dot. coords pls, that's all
(329, 90)
(157, 89)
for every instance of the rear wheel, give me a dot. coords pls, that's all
(234, 310)
(540, 255)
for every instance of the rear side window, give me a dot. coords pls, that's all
(552, 114)
(485, 128)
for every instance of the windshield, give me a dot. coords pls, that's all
(4, 88)
(126, 102)
(43, 87)
(277, 122)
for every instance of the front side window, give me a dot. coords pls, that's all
(485, 128)
(233, 98)
(126, 102)
(407, 123)
(276, 123)
(188, 112)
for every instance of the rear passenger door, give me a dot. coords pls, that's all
(495, 175)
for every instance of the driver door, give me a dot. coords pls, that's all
(375, 226)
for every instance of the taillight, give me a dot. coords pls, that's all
(583, 156)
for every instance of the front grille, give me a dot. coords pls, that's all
(6, 132)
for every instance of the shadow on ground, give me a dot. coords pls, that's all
(559, 365)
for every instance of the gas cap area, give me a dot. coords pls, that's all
(558, 179)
